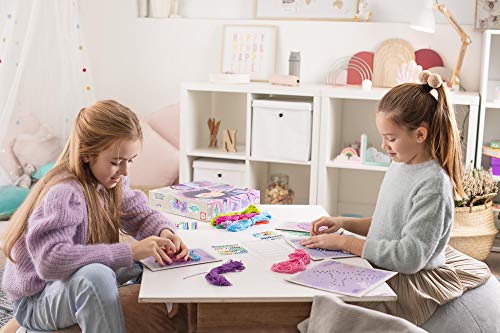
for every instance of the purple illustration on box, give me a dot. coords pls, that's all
(203, 256)
(319, 254)
(202, 200)
(181, 206)
(341, 278)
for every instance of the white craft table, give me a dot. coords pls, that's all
(259, 297)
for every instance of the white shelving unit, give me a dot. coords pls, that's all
(348, 111)
(340, 115)
(232, 104)
(489, 114)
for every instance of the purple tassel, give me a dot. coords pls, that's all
(215, 277)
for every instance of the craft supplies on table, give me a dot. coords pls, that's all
(277, 248)
(214, 276)
(319, 254)
(202, 200)
(187, 225)
(200, 254)
(295, 226)
(238, 221)
(229, 249)
(297, 262)
(341, 278)
(268, 235)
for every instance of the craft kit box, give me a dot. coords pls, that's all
(202, 200)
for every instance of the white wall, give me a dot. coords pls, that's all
(383, 10)
(141, 62)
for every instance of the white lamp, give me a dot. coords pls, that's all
(424, 21)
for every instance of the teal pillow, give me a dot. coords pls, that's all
(11, 197)
(41, 171)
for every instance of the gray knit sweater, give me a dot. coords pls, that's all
(412, 221)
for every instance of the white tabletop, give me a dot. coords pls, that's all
(257, 283)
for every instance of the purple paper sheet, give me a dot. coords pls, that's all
(319, 254)
(341, 278)
(295, 226)
(205, 258)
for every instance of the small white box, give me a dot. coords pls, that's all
(217, 171)
(281, 130)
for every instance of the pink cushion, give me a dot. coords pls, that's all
(22, 128)
(166, 123)
(38, 148)
(158, 162)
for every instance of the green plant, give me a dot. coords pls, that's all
(479, 186)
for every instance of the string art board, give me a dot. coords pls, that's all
(319, 254)
(295, 226)
(337, 277)
(205, 258)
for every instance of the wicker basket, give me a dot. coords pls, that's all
(474, 231)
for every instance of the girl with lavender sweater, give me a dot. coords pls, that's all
(63, 244)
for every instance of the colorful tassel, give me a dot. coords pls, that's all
(250, 209)
(245, 224)
(215, 277)
(298, 261)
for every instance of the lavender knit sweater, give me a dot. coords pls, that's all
(55, 243)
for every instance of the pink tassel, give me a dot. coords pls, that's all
(298, 261)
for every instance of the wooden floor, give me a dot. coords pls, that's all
(493, 260)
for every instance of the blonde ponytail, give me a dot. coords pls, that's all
(411, 104)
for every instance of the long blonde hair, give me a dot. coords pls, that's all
(411, 104)
(96, 128)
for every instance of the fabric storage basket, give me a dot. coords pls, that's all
(474, 231)
(217, 171)
(281, 130)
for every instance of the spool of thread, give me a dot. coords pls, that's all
(284, 80)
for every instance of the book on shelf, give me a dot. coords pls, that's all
(492, 152)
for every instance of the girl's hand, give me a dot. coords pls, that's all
(181, 250)
(331, 223)
(325, 241)
(155, 246)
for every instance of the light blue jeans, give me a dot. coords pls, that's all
(89, 298)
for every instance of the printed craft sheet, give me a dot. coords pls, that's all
(337, 277)
(319, 254)
(229, 249)
(268, 235)
(205, 258)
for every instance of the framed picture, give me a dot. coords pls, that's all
(338, 10)
(249, 49)
(487, 14)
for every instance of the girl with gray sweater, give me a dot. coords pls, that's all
(411, 225)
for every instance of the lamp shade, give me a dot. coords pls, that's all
(424, 18)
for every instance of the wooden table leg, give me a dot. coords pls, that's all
(247, 317)
(191, 317)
